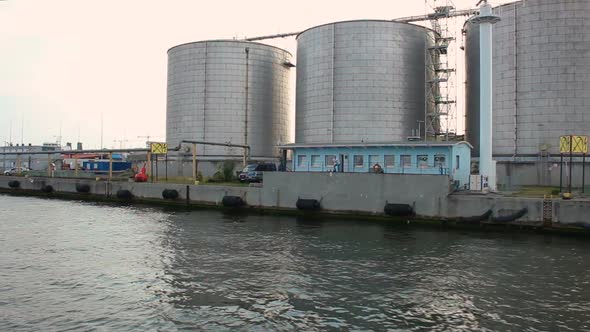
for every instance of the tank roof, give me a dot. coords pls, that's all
(362, 20)
(228, 41)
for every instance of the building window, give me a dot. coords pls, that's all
(457, 162)
(358, 161)
(405, 161)
(422, 161)
(315, 161)
(330, 160)
(374, 159)
(440, 161)
(389, 161)
(301, 160)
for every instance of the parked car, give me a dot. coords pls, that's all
(15, 170)
(253, 172)
(243, 176)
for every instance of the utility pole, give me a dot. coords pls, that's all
(101, 131)
(121, 142)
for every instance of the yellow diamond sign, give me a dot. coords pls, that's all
(573, 144)
(159, 148)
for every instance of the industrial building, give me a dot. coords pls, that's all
(541, 87)
(227, 91)
(17, 155)
(431, 158)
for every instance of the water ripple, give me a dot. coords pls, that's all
(70, 266)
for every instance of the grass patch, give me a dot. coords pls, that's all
(537, 192)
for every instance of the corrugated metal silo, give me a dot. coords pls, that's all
(541, 75)
(228, 91)
(360, 81)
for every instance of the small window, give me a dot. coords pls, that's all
(301, 160)
(457, 162)
(330, 160)
(405, 161)
(440, 161)
(315, 161)
(359, 161)
(374, 159)
(389, 161)
(422, 161)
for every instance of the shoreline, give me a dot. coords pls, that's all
(440, 222)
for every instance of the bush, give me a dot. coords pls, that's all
(225, 173)
(228, 170)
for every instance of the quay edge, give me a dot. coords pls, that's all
(341, 195)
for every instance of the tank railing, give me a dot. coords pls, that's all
(428, 17)
(408, 19)
(194, 150)
(280, 35)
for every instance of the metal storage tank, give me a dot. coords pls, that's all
(541, 75)
(228, 91)
(361, 81)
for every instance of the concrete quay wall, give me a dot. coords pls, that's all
(430, 196)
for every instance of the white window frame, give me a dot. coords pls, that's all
(362, 161)
(438, 163)
(301, 160)
(374, 159)
(422, 161)
(392, 164)
(330, 160)
(315, 161)
(405, 157)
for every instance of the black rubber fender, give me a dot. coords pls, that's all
(124, 194)
(580, 224)
(47, 188)
(308, 204)
(475, 219)
(398, 210)
(232, 201)
(82, 188)
(170, 194)
(511, 217)
(14, 184)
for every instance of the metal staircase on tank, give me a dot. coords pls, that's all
(440, 94)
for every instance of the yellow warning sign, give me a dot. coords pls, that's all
(159, 148)
(573, 143)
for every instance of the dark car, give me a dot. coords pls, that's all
(243, 176)
(255, 171)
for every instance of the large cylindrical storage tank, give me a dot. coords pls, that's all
(361, 81)
(541, 77)
(228, 91)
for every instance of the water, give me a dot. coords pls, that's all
(79, 266)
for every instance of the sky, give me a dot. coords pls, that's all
(67, 64)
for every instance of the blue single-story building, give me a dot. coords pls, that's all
(434, 158)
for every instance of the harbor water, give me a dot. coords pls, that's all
(68, 265)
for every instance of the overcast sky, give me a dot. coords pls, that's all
(63, 63)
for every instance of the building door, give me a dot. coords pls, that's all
(344, 163)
